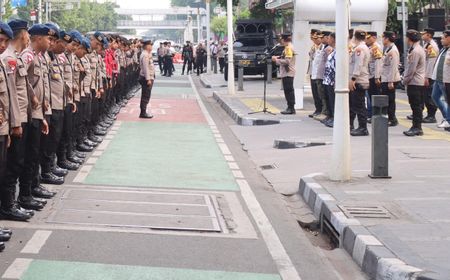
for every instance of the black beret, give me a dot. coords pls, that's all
(413, 35)
(39, 30)
(428, 31)
(6, 30)
(447, 32)
(372, 33)
(18, 24)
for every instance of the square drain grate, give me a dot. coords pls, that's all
(138, 209)
(366, 212)
(268, 167)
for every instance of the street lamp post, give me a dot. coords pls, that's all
(208, 36)
(231, 89)
(341, 155)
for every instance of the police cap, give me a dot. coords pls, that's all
(326, 33)
(86, 44)
(286, 35)
(6, 30)
(446, 33)
(17, 25)
(54, 29)
(76, 36)
(390, 35)
(63, 35)
(147, 42)
(372, 34)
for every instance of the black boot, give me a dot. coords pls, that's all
(413, 131)
(52, 179)
(68, 165)
(41, 192)
(28, 202)
(361, 131)
(14, 213)
(289, 111)
(60, 171)
(144, 115)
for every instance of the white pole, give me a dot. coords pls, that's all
(341, 156)
(39, 11)
(231, 89)
(199, 31)
(405, 45)
(208, 37)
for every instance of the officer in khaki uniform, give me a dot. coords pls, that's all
(37, 125)
(441, 77)
(414, 80)
(390, 75)
(314, 35)
(431, 52)
(359, 83)
(287, 72)
(147, 78)
(376, 53)
(6, 105)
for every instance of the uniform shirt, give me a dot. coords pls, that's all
(415, 68)
(95, 71)
(359, 64)
(46, 63)
(287, 62)
(160, 51)
(329, 77)
(389, 66)
(431, 53)
(57, 83)
(36, 83)
(66, 60)
(77, 67)
(147, 67)
(311, 54)
(375, 62)
(85, 87)
(102, 70)
(441, 71)
(318, 64)
(220, 51)
(19, 85)
(5, 101)
(10, 68)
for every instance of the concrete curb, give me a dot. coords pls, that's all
(239, 117)
(375, 259)
(208, 84)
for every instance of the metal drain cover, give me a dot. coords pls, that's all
(366, 212)
(137, 209)
(268, 166)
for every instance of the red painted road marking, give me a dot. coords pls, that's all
(164, 110)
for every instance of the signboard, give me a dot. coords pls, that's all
(400, 13)
(33, 15)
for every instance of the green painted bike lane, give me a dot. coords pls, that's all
(182, 154)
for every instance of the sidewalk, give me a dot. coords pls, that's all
(250, 100)
(393, 229)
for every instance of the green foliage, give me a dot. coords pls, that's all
(223, 3)
(183, 3)
(88, 17)
(219, 26)
(245, 14)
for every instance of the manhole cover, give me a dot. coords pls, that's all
(366, 212)
(268, 167)
(138, 209)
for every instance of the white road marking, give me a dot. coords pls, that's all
(82, 174)
(97, 153)
(36, 242)
(229, 158)
(282, 260)
(233, 165)
(92, 160)
(17, 268)
(237, 174)
(103, 145)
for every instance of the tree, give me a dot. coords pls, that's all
(219, 26)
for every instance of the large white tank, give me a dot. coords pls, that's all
(369, 15)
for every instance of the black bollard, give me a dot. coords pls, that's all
(240, 78)
(380, 145)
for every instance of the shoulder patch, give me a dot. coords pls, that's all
(12, 64)
(288, 52)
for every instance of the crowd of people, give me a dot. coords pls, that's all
(374, 70)
(59, 93)
(195, 57)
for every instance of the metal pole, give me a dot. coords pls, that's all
(231, 89)
(405, 45)
(46, 11)
(208, 36)
(341, 155)
(39, 11)
(1, 10)
(199, 31)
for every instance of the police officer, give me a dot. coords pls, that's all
(9, 118)
(390, 75)
(374, 68)
(39, 43)
(359, 83)
(187, 53)
(441, 76)
(314, 35)
(431, 52)
(147, 78)
(287, 72)
(414, 80)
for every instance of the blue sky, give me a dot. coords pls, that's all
(140, 4)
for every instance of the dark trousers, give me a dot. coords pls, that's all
(373, 90)
(289, 92)
(15, 163)
(65, 145)
(415, 98)
(84, 118)
(187, 62)
(358, 106)
(391, 96)
(429, 103)
(160, 63)
(199, 63)
(146, 94)
(331, 99)
(51, 142)
(31, 167)
(221, 64)
(316, 97)
(4, 193)
(168, 66)
(95, 115)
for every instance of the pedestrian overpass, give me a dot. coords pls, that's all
(173, 18)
